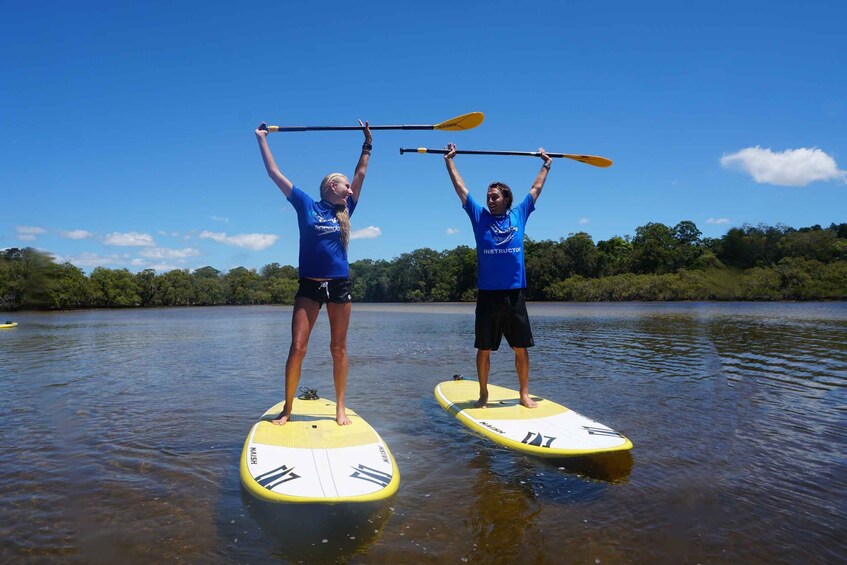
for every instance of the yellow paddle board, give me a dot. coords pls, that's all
(311, 459)
(550, 430)
(8, 325)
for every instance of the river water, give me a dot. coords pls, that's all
(121, 432)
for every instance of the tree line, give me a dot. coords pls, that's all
(658, 262)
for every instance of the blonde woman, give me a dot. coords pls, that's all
(324, 270)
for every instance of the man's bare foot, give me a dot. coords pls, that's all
(482, 402)
(341, 417)
(283, 418)
(528, 402)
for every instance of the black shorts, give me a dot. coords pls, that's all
(336, 291)
(499, 313)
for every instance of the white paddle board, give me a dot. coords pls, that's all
(311, 459)
(550, 430)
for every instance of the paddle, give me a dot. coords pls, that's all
(588, 159)
(463, 122)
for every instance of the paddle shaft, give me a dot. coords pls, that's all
(588, 159)
(463, 122)
(472, 152)
(342, 128)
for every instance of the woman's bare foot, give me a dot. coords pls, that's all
(341, 417)
(528, 402)
(283, 418)
(482, 402)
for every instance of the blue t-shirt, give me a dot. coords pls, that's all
(499, 244)
(322, 255)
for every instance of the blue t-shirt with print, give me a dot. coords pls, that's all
(499, 244)
(322, 255)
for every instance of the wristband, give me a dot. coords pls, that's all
(367, 147)
(546, 165)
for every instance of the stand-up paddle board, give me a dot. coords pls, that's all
(550, 430)
(8, 325)
(313, 459)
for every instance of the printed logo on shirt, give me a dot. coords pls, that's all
(321, 226)
(502, 236)
(320, 219)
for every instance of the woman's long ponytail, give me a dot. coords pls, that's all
(341, 213)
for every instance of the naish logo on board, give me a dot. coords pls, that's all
(601, 431)
(254, 457)
(383, 454)
(371, 475)
(492, 428)
(276, 477)
(538, 440)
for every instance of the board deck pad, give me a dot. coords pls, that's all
(550, 430)
(311, 459)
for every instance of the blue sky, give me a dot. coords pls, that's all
(127, 130)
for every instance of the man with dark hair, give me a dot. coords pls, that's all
(501, 273)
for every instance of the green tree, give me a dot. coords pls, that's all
(415, 275)
(582, 255)
(176, 288)
(72, 289)
(750, 246)
(464, 273)
(654, 249)
(208, 286)
(148, 283)
(546, 262)
(820, 245)
(114, 288)
(27, 278)
(613, 256)
(688, 248)
(373, 282)
(279, 284)
(242, 286)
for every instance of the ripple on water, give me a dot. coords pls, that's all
(121, 433)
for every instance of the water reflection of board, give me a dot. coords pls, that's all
(550, 430)
(313, 459)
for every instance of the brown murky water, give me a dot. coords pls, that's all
(121, 433)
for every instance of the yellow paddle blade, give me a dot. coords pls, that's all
(465, 121)
(590, 160)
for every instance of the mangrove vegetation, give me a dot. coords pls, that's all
(658, 262)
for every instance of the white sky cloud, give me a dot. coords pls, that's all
(164, 253)
(140, 265)
(792, 167)
(28, 233)
(219, 219)
(583, 221)
(452, 231)
(96, 260)
(253, 241)
(76, 234)
(129, 239)
(717, 221)
(370, 232)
